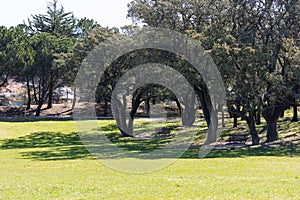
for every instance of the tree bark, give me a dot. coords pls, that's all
(125, 128)
(232, 114)
(38, 109)
(120, 115)
(271, 115)
(50, 98)
(295, 111)
(205, 104)
(258, 118)
(253, 131)
(74, 99)
(235, 121)
(188, 114)
(223, 119)
(272, 133)
(212, 129)
(134, 108)
(147, 107)
(178, 105)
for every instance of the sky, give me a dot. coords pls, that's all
(111, 13)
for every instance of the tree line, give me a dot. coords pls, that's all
(255, 45)
(36, 52)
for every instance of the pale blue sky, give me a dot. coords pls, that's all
(106, 13)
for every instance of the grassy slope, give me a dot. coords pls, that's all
(54, 165)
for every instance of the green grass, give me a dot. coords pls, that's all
(46, 160)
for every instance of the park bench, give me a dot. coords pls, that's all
(163, 132)
(237, 139)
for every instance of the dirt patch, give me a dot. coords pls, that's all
(57, 110)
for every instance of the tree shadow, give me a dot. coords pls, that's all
(42, 140)
(59, 146)
(138, 145)
(62, 153)
(258, 151)
(48, 146)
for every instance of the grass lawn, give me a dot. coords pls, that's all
(46, 160)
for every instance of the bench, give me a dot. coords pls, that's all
(163, 132)
(237, 139)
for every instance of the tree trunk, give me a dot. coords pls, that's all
(212, 129)
(205, 103)
(282, 114)
(74, 99)
(189, 110)
(125, 132)
(153, 101)
(178, 105)
(232, 114)
(28, 94)
(125, 128)
(295, 111)
(34, 92)
(38, 109)
(272, 133)
(40, 102)
(258, 118)
(253, 131)
(223, 119)
(271, 115)
(105, 109)
(147, 107)
(235, 121)
(50, 98)
(120, 115)
(134, 108)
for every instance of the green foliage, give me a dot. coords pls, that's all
(255, 44)
(16, 54)
(56, 22)
(252, 42)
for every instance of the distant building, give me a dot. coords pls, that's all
(63, 95)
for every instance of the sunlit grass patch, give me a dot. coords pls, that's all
(47, 160)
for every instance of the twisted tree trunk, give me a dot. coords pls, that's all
(271, 115)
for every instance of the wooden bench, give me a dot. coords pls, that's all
(237, 139)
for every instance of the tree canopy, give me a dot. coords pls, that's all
(255, 44)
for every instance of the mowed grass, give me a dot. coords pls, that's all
(46, 160)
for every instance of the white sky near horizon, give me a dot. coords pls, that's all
(111, 13)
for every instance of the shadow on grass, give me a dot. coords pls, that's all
(62, 153)
(41, 140)
(256, 151)
(59, 146)
(138, 145)
(48, 146)
(283, 151)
